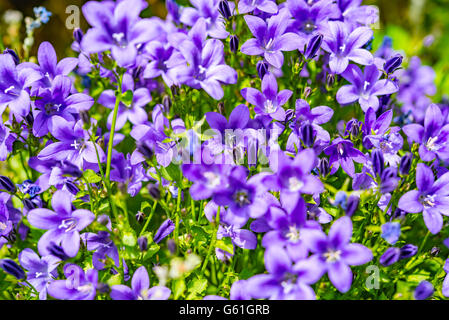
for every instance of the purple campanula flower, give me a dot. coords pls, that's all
(408, 251)
(431, 198)
(313, 116)
(123, 171)
(103, 247)
(140, 290)
(207, 10)
(74, 144)
(57, 101)
(135, 112)
(244, 198)
(164, 230)
(163, 62)
(355, 14)
(345, 46)
(270, 38)
(390, 256)
(13, 88)
(63, 224)
(433, 137)
(79, 285)
(117, 27)
(268, 102)
(293, 175)
(11, 267)
(268, 6)
(445, 289)
(334, 254)
(204, 68)
(365, 87)
(284, 280)
(49, 67)
(287, 226)
(6, 141)
(342, 152)
(41, 271)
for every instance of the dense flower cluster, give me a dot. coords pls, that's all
(318, 160)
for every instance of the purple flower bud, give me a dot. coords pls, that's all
(390, 256)
(143, 243)
(174, 90)
(154, 191)
(377, 157)
(11, 267)
(308, 134)
(28, 204)
(393, 64)
(352, 204)
(323, 166)
(140, 216)
(223, 8)
(262, 68)
(330, 80)
(7, 184)
(103, 288)
(167, 103)
(78, 35)
(405, 163)
(398, 214)
(354, 130)
(234, 43)
(103, 219)
(13, 54)
(408, 251)
(313, 46)
(307, 92)
(435, 251)
(72, 188)
(164, 230)
(424, 290)
(85, 117)
(389, 180)
(29, 118)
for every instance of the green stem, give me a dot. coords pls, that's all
(212, 243)
(153, 209)
(114, 120)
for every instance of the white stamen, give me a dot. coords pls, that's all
(293, 234)
(295, 184)
(332, 255)
(118, 36)
(365, 85)
(343, 48)
(431, 144)
(269, 106)
(9, 89)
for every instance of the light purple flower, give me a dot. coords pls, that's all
(268, 6)
(79, 285)
(342, 152)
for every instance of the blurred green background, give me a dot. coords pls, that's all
(408, 22)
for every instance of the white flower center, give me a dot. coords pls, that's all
(2, 226)
(332, 255)
(295, 184)
(269, 106)
(213, 179)
(293, 234)
(431, 144)
(365, 85)
(269, 44)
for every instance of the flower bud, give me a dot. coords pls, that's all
(223, 8)
(171, 244)
(167, 103)
(174, 90)
(352, 205)
(11, 267)
(57, 251)
(308, 134)
(408, 251)
(143, 243)
(405, 163)
(330, 80)
(85, 117)
(29, 118)
(140, 216)
(424, 290)
(390, 256)
(313, 46)
(28, 204)
(307, 92)
(234, 43)
(13, 54)
(435, 251)
(389, 180)
(323, 166)
(377, 157)
(393, 64)
(262, 68)
(78, 35)
(154, 191)
(7, 184)
(103, 288)
(71, 187)
(164, 230)
(221, 107)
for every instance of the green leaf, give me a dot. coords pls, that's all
(91, 176)
(129, 239)
(196, 287)
(179, 288)
(225, 244)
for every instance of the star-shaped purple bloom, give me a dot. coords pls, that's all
(102, 246)
(344, 46)
(433, 137)
(268, 6)
(270, 38)
(342, 152)
(268, 102)
(63, 224)
(431, 198)
(365, 87)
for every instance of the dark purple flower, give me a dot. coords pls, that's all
(163, 62)
(423, 291)
(140, 289)
(342, 152)
(390, 256)
(164, 230)
(11, 267)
